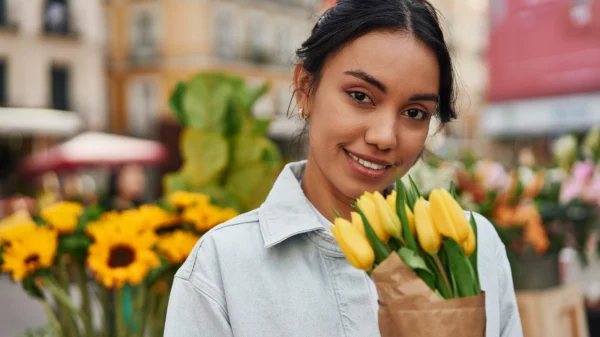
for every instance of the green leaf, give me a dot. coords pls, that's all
(206, 155)
(460, 269)
(380, 249)
(414, 187)
(260, 127)
(413, 260)
(75, 244)
(1, 251)
(473, 257)
(400, 201)
(206, 100)
(89, 214)
(235, 117)
(31, 288)
(176, 103)
(452, 190)
(251, 183)
(173, 182)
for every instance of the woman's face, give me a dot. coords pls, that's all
(369, 114)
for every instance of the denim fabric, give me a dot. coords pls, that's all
(277, 272)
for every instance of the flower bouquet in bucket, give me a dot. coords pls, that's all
(422, 256)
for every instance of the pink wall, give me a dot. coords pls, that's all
(543, 48)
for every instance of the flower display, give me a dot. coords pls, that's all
(130, 256)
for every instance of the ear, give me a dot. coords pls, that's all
(302, 80)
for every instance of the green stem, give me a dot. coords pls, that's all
(147, 306)
(63, 298)
(163, 301)
(442, 271)
(103, 295)
(62, 283)
(52, 317)
(121, 330)
(86, 307)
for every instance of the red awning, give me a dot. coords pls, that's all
(95, 149)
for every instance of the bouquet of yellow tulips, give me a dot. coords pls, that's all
(422, 256)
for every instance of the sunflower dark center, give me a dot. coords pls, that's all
(33, 259)
(121, 256)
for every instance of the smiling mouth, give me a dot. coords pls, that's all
(366, 163)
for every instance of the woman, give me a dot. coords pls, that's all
(370, 78)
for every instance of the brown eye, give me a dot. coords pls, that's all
(360, 97)
(415, 114)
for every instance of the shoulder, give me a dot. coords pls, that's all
(239, 234)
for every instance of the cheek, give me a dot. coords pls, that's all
(333, 123)
(412, 143)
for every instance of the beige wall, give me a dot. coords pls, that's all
(187, 43)
(30, 54)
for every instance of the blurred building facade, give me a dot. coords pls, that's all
(154, 44)
(52, 56)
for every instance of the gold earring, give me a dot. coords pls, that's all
(301, 114)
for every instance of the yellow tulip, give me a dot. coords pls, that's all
(389, 218)
(357, 222)
(356, 247)
(411, 219)
(391, 200)
(367, 205)
(429, 237)
(448, 216)
(470, 244)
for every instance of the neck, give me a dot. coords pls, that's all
(322, 194)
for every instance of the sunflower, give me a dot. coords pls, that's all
(15, 225)
(156, 218)
(205, 217)
(30, 252)
(122, 254)
(127, 221)
(63, 216)
(177, 246)
(182, 199)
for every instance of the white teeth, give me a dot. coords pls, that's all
(367, 164)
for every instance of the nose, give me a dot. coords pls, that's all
(381, 131)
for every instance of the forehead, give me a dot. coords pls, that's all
(397, 59)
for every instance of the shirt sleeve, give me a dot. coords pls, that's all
(510, 320)
(196, 304)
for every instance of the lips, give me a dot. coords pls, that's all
(368, 162)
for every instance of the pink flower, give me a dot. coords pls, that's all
(492, 175)
(571, 189)
(583, 171)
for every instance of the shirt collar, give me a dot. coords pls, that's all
(286, 211)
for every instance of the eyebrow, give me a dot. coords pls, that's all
(425, 97)
(367, 78)
(376, 83)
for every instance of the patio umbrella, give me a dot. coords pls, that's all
(95, 149)
(31, 121)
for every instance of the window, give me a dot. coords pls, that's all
(225, 39)
(145, 32)
(3, 86)
(3, 13)
(59, 84)
(257, 38)
(143, 106)
(56, 17)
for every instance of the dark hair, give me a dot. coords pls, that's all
(351, 19)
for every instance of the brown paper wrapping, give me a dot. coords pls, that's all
(408, 308)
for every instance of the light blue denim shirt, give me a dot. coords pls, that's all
(277, 272)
